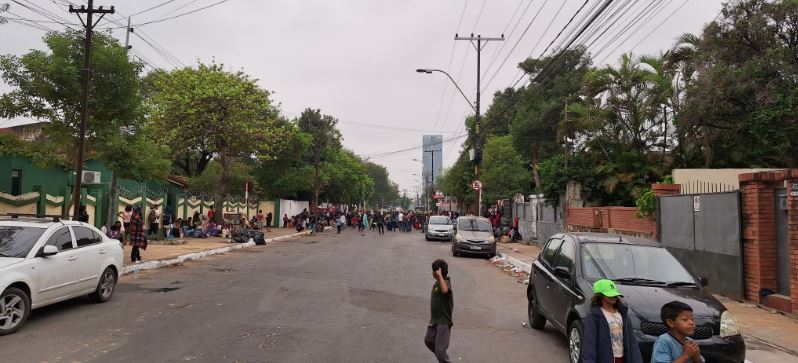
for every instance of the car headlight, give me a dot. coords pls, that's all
(491, 239)
(459, 238)
(728, 326)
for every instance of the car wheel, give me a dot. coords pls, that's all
(536, 319)
(106, 286)
(575, 333)
(426, 238)
(14, 310)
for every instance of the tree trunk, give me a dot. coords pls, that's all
(222, 191)
(112, 197)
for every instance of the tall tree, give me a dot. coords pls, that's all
(225, 111)
(325, 142)
(385, 191)
(505, 172)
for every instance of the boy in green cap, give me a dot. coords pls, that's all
(441, 306)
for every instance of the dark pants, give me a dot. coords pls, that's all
(135, 254)
(153, 229)
(338, 227)
(380, 228)
(437, 340)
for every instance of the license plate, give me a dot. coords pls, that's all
(441, 234)
(476, 248)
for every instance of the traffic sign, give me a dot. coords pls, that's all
(476, 184)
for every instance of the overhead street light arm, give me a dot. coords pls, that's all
(428, 71)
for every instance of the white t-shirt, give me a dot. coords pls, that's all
(615, 321)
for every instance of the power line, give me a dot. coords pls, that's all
(153, 7)
(516, 43)
(562, 4)
(448, 69)
(659, 25)
(179, 15)
(390, 127)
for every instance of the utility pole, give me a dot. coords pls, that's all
(88, 25)
(113, 196)
(479, 43)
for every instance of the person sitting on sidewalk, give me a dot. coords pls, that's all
(676, 346)
(116, 231)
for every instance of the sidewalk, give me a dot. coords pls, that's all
(158, 255)
(764, 329)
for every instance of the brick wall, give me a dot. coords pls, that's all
(621, 220)
(759, 232)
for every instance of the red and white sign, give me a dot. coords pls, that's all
(438, 195)
(476, 184)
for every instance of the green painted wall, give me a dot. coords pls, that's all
(50, 178)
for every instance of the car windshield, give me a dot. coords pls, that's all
(477, 225)
(632, 264)
(439, 220)
(17, 241)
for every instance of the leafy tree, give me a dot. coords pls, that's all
(47, 87)
(456, 180)
(385, 191)
(504, 171)
(208, 181)
(225, 112)
(741, 101)
(346, 179)
(325, 142)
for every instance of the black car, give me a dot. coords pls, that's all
(648, 276)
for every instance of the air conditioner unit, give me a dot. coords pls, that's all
(91, 177)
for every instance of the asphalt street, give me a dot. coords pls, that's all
(328, 298)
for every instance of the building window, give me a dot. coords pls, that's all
(16, 182)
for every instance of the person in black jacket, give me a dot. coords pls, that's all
(608, 335)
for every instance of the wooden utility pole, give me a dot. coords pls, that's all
(479, 43)
(88, 25)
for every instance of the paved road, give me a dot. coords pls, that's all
(329, 298)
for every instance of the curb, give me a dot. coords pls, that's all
(149, 265)
(518, 264)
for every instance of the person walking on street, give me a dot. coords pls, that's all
(269, 218)
(608, 335)
(441, 305)
(365, 222)
(380, 223)
(285, 220)
(138, 240)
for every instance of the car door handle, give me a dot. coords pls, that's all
(102, 252)
(72, 258)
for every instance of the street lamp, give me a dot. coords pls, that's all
(429, 71)
(477, 147)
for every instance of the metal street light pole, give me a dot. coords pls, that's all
(479, 43)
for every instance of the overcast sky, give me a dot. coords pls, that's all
(356, 59)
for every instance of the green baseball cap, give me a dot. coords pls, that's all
(606, 287)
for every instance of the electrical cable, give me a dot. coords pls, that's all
(153, 7)
(448, 69)
(178, 15)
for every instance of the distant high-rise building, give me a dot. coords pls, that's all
(432, 157)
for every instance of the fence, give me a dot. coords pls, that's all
(621, 220)
(526, 212)
(550, 220)
(703, 231)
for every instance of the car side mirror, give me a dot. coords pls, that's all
(562, 272)
(48, 250)
(703, 281)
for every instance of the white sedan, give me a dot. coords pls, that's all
(43, 262)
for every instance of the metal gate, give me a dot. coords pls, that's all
(550, 221)
(782, 243)
(703, 231)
